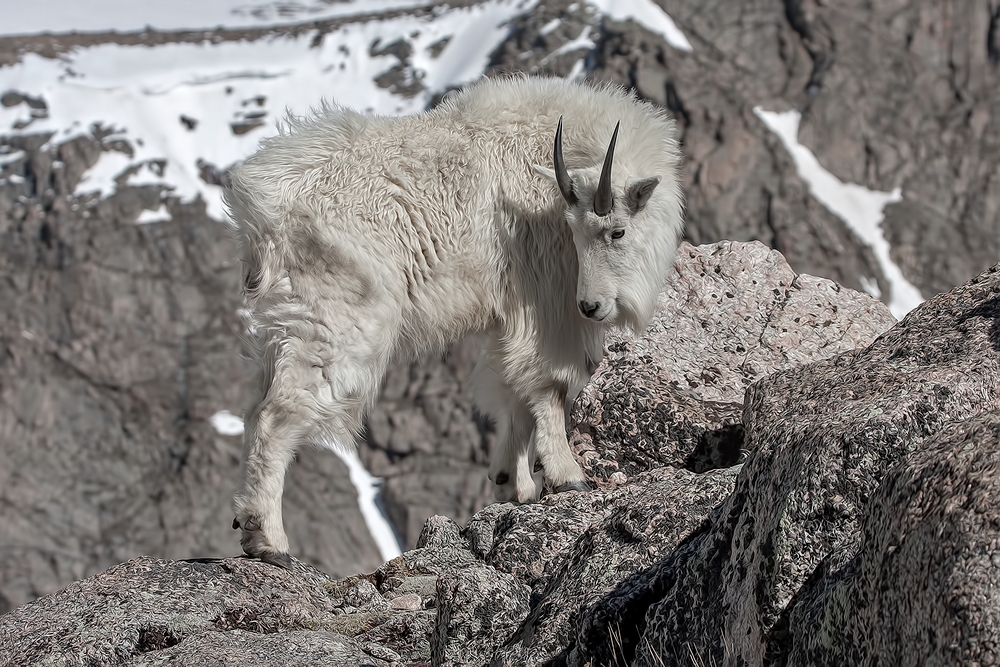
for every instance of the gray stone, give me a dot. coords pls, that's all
(824, 436)
(644, 522)
(439, 531)
(149, 611)
(296, 648)
(477, 608)
(921, 582)
(730, 314)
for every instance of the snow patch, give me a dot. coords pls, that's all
(583, 41)
(646, 13)
(368, 491)
(550, 26)
(7, 158)
(159, 215)
(860, 208)
(226, 423)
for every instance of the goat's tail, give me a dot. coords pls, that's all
(257, 229)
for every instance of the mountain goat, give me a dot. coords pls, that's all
(367, 239)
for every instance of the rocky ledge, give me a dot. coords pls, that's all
(785, 476)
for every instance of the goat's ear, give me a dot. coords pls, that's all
(545, 172)
(639, 190)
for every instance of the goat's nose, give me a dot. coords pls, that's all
(588, 308)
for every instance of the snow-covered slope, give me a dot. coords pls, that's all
(186, 104)
(860, 208)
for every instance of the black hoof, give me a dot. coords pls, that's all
(581, 486)
(278, 558)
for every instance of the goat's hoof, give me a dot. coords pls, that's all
(277, 558)
(581, 485)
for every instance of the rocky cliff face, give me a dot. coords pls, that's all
(118, 341)
(859, 527)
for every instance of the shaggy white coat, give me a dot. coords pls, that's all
(367, 239)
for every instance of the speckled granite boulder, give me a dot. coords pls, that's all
(730, 314)
(921, 585)
(824, 437)
(149, 611)
(641, 523)
(477, 607)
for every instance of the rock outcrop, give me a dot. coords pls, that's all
(861, 526)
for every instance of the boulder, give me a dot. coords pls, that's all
(149, 611)
(832, 442)
(731, 313)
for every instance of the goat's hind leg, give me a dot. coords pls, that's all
(270, 438)
(314, 387)
(277, 425)
(512, 465)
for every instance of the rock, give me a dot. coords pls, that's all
(297, 648)
(439, 531)
(408, 602)
(730, 314)
(476, 607)
(151, 612)
(823, 437)
(919, 585)
(644, 521)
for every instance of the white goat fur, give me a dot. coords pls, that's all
(368, 239)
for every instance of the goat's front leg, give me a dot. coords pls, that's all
(551, 446)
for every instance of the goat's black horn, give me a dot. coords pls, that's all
(604, 200)
(562, 176)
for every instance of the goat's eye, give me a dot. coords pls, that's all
(617, 234)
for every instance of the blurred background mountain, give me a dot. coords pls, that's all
(859, 138)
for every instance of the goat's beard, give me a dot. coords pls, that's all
(633, 312)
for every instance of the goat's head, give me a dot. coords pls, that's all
(618, 247)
